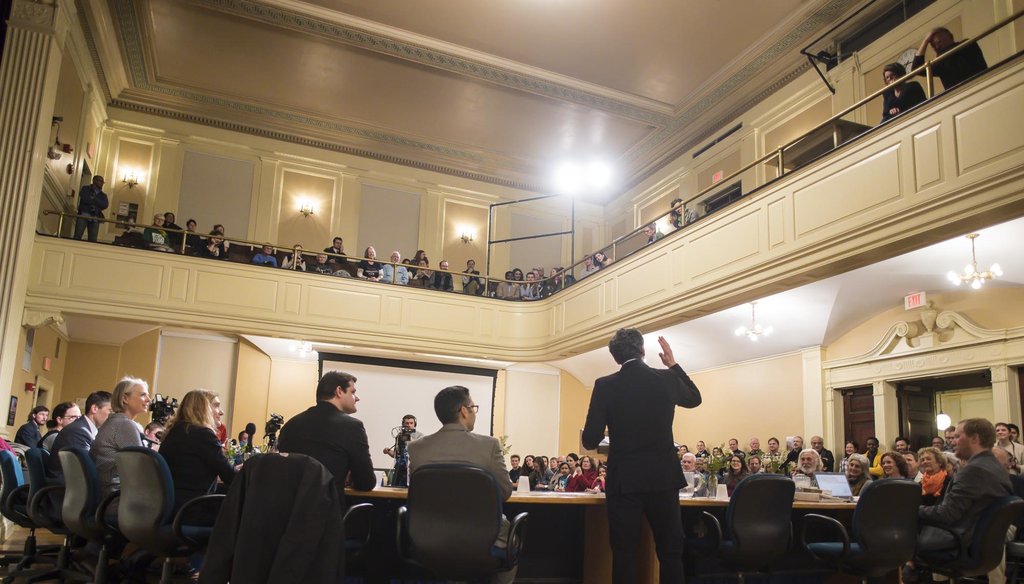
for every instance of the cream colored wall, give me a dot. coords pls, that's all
(292, 389)
(573, 403)
(532, 409)
(92, 367)
(966, 403)
(389, 220)
(44, 345)
(991, 307)
(252, 386)
(761, 398)
(190, 362)
(139, 356)
(314, 232)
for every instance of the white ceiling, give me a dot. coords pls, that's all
(811, 315)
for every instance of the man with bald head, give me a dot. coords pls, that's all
(956, 69)
(828, 461)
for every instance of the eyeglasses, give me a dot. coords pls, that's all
(473, 408)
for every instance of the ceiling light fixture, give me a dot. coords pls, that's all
(971, 274)
(303, 348)
(572, 178)
(754, 331)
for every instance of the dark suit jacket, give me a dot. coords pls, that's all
(453, 443)
(977, 484)
(637, 404)
(28, 435)
(195, 459)
(442, 281)
(77, 434)
(334, 438)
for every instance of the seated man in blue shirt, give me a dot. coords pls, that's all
(265, 257)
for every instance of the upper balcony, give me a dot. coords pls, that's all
(953, 164)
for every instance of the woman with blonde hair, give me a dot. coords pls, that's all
(129, 400)
(191, 448)
(935, 475)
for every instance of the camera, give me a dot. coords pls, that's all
(162, 408)
(272, 427)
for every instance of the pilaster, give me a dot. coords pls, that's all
(1005, 393)
(887, 423)
(29, 74)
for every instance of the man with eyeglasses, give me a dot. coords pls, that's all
(637, 404)
(456, 442)
(63, 414)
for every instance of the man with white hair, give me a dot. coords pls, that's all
(698, 485)
(808, 464)
(397, 273)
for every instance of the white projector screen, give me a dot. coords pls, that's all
(389, 389)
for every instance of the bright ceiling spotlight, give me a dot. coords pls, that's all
(568, 179)
(599, 174)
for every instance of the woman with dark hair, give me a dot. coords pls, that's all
(422, 277)
(736, 472)
(561, 481)
(851, 448)
(369, 268)
(902, 96)
(894, 466)
(585, 479)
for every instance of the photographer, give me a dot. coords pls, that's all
(403, 434)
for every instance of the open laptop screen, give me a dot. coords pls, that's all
(835, 483)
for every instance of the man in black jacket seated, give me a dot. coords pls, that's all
(81, 432)
(328, 433)
(637, 405)
(959, 67)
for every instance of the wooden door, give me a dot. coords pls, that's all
(858, 417)
(916, 414)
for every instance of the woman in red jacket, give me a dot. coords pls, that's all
(585, 479)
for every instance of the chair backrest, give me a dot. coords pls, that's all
(885, 520)
(10, 470)
(758, 519)
(147, 496)
(986, 548)
(36, 459)
(454, 513)
(81, 493)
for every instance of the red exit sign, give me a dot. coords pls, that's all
(915, 300)
(717, 176)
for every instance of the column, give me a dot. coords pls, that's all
(1005, 394)
(29, 74)
(887, 422)
(814, 395)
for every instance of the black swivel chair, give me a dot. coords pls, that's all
(884, 532)
(83, 510)
(44, 508)
(358, 522)
(758, 528)
(145, 509)
(451, 522)
(983, 551)
(14, 506)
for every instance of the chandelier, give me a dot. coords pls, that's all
(971, 275)
(754, 331)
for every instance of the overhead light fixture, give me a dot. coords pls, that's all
(971, 274)
(303, 348)
(943, 421)
(572, 178)
(754, 331)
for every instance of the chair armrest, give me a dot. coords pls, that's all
(402, 535)
(711, 540)
(101, 513)
(34, 506)
(829, 522)
(516, 536)
(179, 519)
(358, 519)
(14, 495)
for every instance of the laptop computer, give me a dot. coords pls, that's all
(835, 483)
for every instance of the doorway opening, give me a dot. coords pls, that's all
(960, 396)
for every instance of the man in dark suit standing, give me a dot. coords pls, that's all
(328, 433)
(81, 432)
(637, 405)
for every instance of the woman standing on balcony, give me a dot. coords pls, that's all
(902, 96)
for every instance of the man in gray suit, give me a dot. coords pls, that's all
(978, 483)
(456, 442)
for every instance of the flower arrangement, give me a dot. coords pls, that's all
(506, 446)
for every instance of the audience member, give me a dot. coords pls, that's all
(155, 236)
(28, 434)
(337, 249)
(935, 475)
(893, 466)
(939, 442)
(471, 283)
(1003, 442)
(193, 453)
(736, 472)
(214, 247)
(828, 461)
(874, 457)
(913, 468)
(901, 445)
(793, 456)
(63, 414)
(395, 272)
(295, 261)
(675, 215)
(329, 433)
(808, 465)
(81, 432)
(369, 267)
(950, 435)
(956, 69)
(507, 289)
(530, 290)
(588, 266)
(514, 469)
(420, 255)
(601, 260)
(129, 399)
(585, 478)
(152, 435)
(774, 460)
(755, 447)
(456, 442)
(651, 233)
(1014, 433)
(702, 450)
(265, 257)
(734, 448)
(174, 238)
(754, 464)
(193, 241)
(849, 449)
(857, 472)
(899, 97)
(320, 265)
(976, 485)
(423, 275)
(442, 279)
(91, 203)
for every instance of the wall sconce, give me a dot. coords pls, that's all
(306, 207)
(130, 178)
(466, 236)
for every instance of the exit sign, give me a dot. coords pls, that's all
(915, 300)
(717, 176)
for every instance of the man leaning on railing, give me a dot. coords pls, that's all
(91, 201)
(959, 67)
